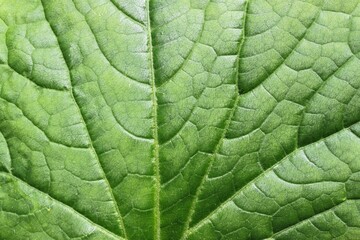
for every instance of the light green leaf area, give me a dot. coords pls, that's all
(179, 119)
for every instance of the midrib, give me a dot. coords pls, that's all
(155, 128)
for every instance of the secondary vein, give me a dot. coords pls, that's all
(231, 114)
(121, 222)
(249, 184)
(101, 228)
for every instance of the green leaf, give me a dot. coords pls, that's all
(179, 119)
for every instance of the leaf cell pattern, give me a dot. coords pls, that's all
(190, 119)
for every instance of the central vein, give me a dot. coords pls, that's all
(155, 129)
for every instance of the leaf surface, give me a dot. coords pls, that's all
(191, 119)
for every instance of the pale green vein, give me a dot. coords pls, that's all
(23, 75)
(103, 51)
(8, 167)
(101, 228)
(25, 115)
(126, 13)
(231, 114)
(121, 223)
(308, 219)
(155, 127)
(237, 79)
(285, 58)
(319, 89)
(249, 184)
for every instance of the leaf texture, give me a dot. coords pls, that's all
(179, 119)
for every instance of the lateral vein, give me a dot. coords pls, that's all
(231, 114)
(101, 228)
(121, 222)
(249, 184)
